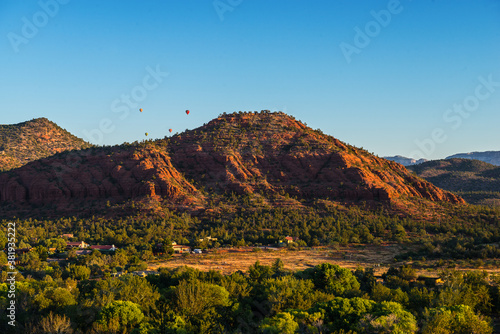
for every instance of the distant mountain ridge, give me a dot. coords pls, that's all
(405, 161)
(272, 158)
(491, 157)
(476, 181)
(32, 140)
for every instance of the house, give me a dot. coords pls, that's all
(181, 249)
(209, 238)
(288, 240)
(77, 244)
(68, 235)
(110, 248)
(21, 251)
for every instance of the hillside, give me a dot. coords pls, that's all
(271, 158)
(28, 141)
(491, 157)
(476, 181)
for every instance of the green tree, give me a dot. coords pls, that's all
(281, 323)
(344, 313)
(120, 258)
(31, 261)
(3, 258)
(3, 240)
(42, 252)
(138, 290)
(195, 297)
(237, 285)
(471, 289)
(388, 317)
(420, 298)
(366, 316)
(334, 279)
(258, 273)
(166, 321)
(78, 272)
(459, 319)
(121, 315)
(166, 247)
(290, 293)
(54, 298)
(57, 243)
(382, 293)
(105, 291)
(72, 254)
(278, 268)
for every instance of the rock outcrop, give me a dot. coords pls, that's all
(32, 140)
(273, 153)
(104, 174)
(270, 154)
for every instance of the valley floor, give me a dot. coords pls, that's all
(227, 261)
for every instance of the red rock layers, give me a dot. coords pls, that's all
(269, 153)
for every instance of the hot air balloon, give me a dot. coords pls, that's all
(140, 110)
(187, 112)
(169, 130)
(146, 134)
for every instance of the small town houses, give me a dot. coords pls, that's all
(76, 244)
(110, 248)
(181, 249)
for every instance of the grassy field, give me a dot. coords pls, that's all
(380, 258)
(230, 260)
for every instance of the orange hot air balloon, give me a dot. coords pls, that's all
(187, 112)
(140, 110)
(169, 130)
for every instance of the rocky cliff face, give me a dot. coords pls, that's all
(270, 154)
(105, 174)
(28, 141)
(273, 153)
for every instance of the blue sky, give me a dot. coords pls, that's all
(416, 78)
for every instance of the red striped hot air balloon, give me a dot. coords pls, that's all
(187, 112)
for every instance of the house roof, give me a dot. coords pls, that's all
(74, 243)
(103, 247)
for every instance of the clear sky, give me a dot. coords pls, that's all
(415, 78)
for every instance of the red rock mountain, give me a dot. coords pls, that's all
(266, 155)
(28, 141)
